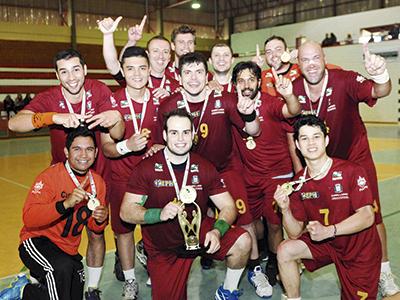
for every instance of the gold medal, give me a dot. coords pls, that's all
(285, 57)
(251, 143)
(195, 139)
(188, 194)
(93, 202)
(287, 188)
(146, 132)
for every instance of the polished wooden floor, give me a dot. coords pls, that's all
(21, 160)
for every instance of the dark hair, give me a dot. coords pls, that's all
(77, 132)
(275, 37)
(179, 112)
(309, 120)
(134, 51)
(157, 37)
(243, 65)
(67, 54)
(190, 58)
(220, 45)
(182, 30)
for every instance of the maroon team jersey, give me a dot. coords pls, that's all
(97, 100)
(168, 83)
(122, 167)
(214, 132)
(271, 154)
(152, 178)
(333, 199)
(339, 109)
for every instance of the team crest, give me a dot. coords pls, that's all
(180, 104)
(37, 187)
(362, 183)
(113, 102)
(61, 104)
(302, 99)
(338, 188)
(360, 79)
(217, 104)
(194, 168)
(337, 175)
(195, 179)
(328, 92)
(158, 167)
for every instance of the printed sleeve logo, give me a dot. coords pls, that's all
(37, 187)
(362, 183)
(360, 79)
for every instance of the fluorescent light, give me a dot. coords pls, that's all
(196, 5)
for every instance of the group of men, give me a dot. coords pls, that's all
(177, 145)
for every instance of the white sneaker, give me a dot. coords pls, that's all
(387, 286)
(130, 290)
(260, 281)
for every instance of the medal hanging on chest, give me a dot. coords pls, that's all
(251, 143)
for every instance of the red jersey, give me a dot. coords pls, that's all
(268, 80)
(271, 155)
(166, 82)
(52, 100)
(214, 133)
(152, 178)
(339, 109)
(42, 218)
(122, 167)
(333, 199)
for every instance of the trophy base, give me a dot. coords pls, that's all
(182, 252)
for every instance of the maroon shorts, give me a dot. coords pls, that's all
(116, 192)
(234, 183)
(358, 278)
(260, 192)
(169, 274)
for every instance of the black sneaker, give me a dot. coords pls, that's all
(93, 294)
(271, 270)
(119, 274)
(206, 263)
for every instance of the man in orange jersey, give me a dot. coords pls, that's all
(64, 199)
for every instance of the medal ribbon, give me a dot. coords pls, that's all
(161, 84)
(303, 179)
(133, 114)
(202, 110)
(172, 173)
(83, 103)
(75, 180)
(321, 97)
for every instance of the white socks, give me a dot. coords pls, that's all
(129, 274)
(94, 275)
(232, 278)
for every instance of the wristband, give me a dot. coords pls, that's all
(222, 226)
(334, 231)
(122, 147)
(152, 215)
(382, 78)
(249, 118)
(40, 120)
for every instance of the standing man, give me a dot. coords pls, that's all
(334, 96)
(154, 200)
(75, 101)
(64, 199)
(265, 158)
(216, 114)
(222, 60)
(329, 218)
(140, 113)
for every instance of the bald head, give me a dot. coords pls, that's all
(312, 62)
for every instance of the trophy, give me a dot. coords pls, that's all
(190, 229)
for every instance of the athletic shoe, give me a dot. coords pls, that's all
(148, 282)
(260, 281)
(222, 294)
(141, 254)
(387, 286)
(119, 274)
(15, 290)
(93, 294)
(130, 290)
(206, 263)
(271, 270)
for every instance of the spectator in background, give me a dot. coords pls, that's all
(18, 102)
(9, 105)
(394, 32)
(326, 40)
(349, 39)
(333, 39)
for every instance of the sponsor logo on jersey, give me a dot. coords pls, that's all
(113, 102)
(338, 188)
(331, 107)
(180, 104)
(360, 79)
(309, 195)
(195, 179)
(328, 91)
(124, 103)
(302, 99)
(337, 175)
(61, 104)
(217, 104)
(158, 167)
(362, 183)
(37, 187)
(194, 168)
(163, 183)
